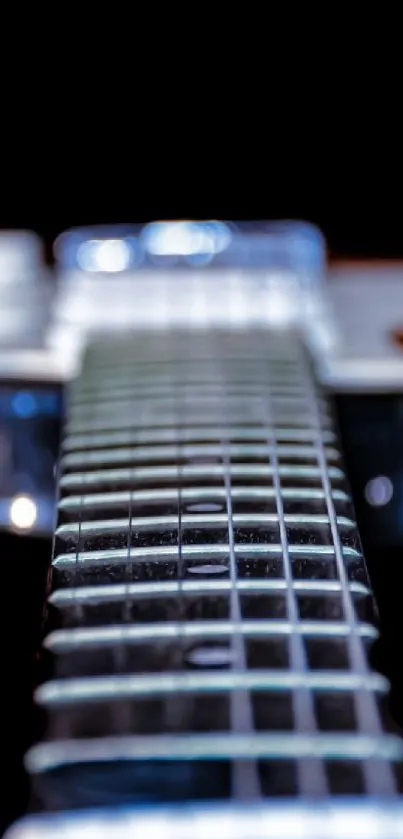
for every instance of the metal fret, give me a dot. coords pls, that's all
(199, 499)
(299, 819)
(67, 639)
(117, 437)
(98, 594)
(147, 454)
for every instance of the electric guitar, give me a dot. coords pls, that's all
(206, 665)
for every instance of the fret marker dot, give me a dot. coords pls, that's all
(204, 508)
(208, 569)
(210, 656)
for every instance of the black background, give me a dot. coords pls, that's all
(353, 193)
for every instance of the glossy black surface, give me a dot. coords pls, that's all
(372, 437)
(24, 567)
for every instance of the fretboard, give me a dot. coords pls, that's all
(210, 615)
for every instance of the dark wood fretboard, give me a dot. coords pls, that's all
(210, 616)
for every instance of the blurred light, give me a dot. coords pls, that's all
(379, 491)
(109, 255)
(186, 238)
(374, 819)
(20, 250)
(23, 512)
(24, 404)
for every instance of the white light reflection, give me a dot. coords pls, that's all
(23, 512)
(110, 255)
(374, 819)
(20, 251)
(379, 491)
(186, 238)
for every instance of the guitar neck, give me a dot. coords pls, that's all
(209, 616)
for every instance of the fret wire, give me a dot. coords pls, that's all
(173, 821)
(201, 551)
(116, 590)
(62, 692)
(256, 744)
(149, 454)
(65, 640)
(92, 500)
(204, 433)
(190, 520)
